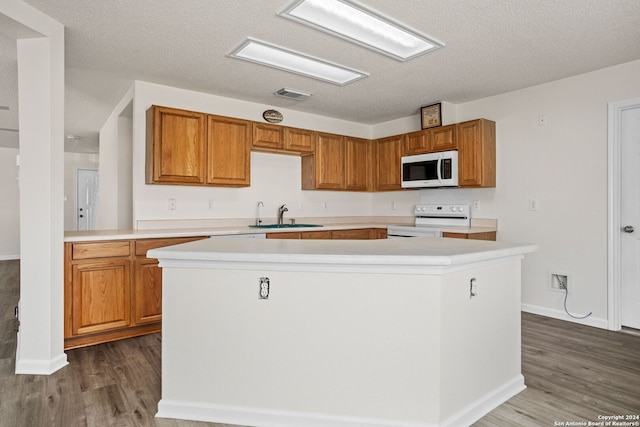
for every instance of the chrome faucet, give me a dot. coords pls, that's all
(281, 210)
(258, 220)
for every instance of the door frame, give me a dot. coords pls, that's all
(613, 210)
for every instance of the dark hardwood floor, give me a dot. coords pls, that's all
(573, 373)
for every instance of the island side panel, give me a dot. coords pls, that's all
(338, 344)
(481, 339)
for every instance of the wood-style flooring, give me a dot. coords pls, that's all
(573, 373)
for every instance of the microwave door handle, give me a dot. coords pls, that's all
(438, 167)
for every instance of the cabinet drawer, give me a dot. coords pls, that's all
(144, 245)
(88, 250)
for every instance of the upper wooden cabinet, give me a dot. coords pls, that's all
(324, 170)
(386, 170)
(228, 151)
(176, 146)
(299, 140)
(441, 138)
(476, 141)
(190, 148)
(357, 167)
(338, 163)
(282, 139)
(267, 136)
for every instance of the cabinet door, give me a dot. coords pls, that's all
(285, 235)
(228, 151)
(315, 235)
(176, 145)
(416, 143)
(147, 292)
(100, 293)
(442, 138)
(329, 162)
(357, 164)
(476, 153)
(267, 136)
(356, 234)
(387, 159)
(299, 140)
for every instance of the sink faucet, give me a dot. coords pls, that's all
(281, 210)
(258, 220)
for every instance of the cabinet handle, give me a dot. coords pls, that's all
(472, 288)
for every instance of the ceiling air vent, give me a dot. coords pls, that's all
(296, 95)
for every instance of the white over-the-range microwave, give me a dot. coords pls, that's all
(430, 170)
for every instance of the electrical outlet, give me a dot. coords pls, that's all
(533, 204)
(172, 204)
(475, 205)
(210, 203)
(264, 288)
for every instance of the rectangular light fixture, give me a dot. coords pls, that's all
(359, 25)
(288, 60)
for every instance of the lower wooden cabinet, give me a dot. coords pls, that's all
(111, 290)
(350, 234)
(488, 235)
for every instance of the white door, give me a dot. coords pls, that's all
(86, 198)
(630, 217)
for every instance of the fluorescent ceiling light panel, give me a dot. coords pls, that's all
(295, 62)
(351, 22)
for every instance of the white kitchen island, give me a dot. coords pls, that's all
(398, 332)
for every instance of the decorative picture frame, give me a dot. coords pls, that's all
(431, 115)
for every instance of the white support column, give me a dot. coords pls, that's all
(40, 347)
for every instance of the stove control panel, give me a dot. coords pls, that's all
(443, 211)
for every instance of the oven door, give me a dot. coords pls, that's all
(400, 231)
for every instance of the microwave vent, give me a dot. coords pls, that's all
(296, 95)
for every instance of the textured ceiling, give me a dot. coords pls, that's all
(491, 47)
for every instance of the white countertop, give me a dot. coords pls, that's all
(367, 255)
(98, 235)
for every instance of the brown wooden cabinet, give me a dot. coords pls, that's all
(191, 148)
(388, 152)
(338, 163)
(112, 291)
(228, 151)
(476, 140)
(440, 138)
(176, 146)
(357, 167)
(324, 170)
(488, 235)
(348, 234)
(267, 136)
(299, 140)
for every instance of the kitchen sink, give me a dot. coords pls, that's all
(285, 225)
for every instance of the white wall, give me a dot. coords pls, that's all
(73, 162)
(10, 206)
(563, 165)
(115, 204)
(275, 179)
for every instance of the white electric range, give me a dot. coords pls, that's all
(431, 219)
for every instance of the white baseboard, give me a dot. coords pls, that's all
(481, 407)
(40, 367)
(9, 257)
(260, 417)
(561, 315)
